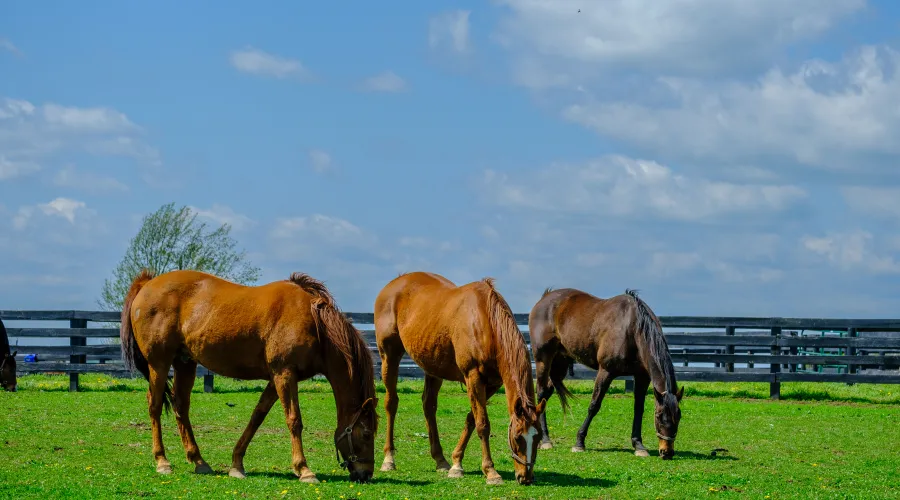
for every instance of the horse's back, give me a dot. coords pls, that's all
(428, 315)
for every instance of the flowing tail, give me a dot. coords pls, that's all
(561, 390)
(131, 352)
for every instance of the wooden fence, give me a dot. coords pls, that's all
(726, 350)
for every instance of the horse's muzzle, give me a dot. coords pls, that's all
(524, 481)
(666, 454)
(361, 476)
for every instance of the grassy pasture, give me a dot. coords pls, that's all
(820, 441)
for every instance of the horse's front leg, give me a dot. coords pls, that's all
(457, 471)
(286, 386)
(266, 401)
(478, 401)
(641, 383)
(601, 385)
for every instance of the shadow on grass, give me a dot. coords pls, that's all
(338, 478)
(679, 454)
(551, 478)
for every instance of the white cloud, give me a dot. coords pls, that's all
(320, 160)
(672, 37)
(65, 208)
(87, 181)
(831, 115)
(257, 62)
(221, 214)
(307, 236)
(870, 200)
(11, 169)
(32, 135)
(450, 30)
(387, 81)
(9, 47)
(620, 186)
(94, 120)
(851, 251)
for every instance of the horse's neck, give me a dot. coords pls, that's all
(513, 384)
(661, 369)
(346, 391)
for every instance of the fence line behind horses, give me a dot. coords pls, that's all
(727, 349)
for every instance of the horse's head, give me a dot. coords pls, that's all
(668, 414)
(8, 371)
(354, 439)
(524, 437)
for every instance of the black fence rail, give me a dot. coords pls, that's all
(729, 349)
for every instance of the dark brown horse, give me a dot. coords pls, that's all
(7, 362)
(616, 336)
(283, 332)
(464, 334)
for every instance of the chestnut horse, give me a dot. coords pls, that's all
(282, 332)
(7, 362)
(463, 334)
(616, 336)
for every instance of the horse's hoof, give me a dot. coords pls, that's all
(164, 469)
(455, 472)
(388, 466)
(641, 453)
(442, 467)
(546, 445)
(312, 479)
(203, 469)
(237, 473)
(494, 481)
(578, 449)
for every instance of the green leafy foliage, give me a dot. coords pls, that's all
(172, 238)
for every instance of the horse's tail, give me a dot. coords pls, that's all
(561, 390)
(131, 352)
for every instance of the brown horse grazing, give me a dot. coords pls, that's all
(283, 332)
(7, 362)
(464, 334)
(616, 336)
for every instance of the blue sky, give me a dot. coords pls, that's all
(724, 157)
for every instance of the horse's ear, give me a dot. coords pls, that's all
(519, 409)
(541, 406)
(13, 354)
(659, 395)
(680, 393)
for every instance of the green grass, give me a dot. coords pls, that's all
(821, 441)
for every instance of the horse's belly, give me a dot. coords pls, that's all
(237, 358)
(434, 355)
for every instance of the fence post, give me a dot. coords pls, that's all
(207, 380)
(729, 349)
(629, 385)
(851, 350)
(774, 368)
(76, 358)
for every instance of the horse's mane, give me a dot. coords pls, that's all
(511, 343)
(547, 291)
(650, 327)
(340, 332)
(4, 340)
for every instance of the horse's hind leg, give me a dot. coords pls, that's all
(457, 471)
(266, 401)
(429, 407)
(641, 383)
(601, 385)
(550, 368)
(185, 373)
(155, 398)
(286, 386)
(391, 350)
